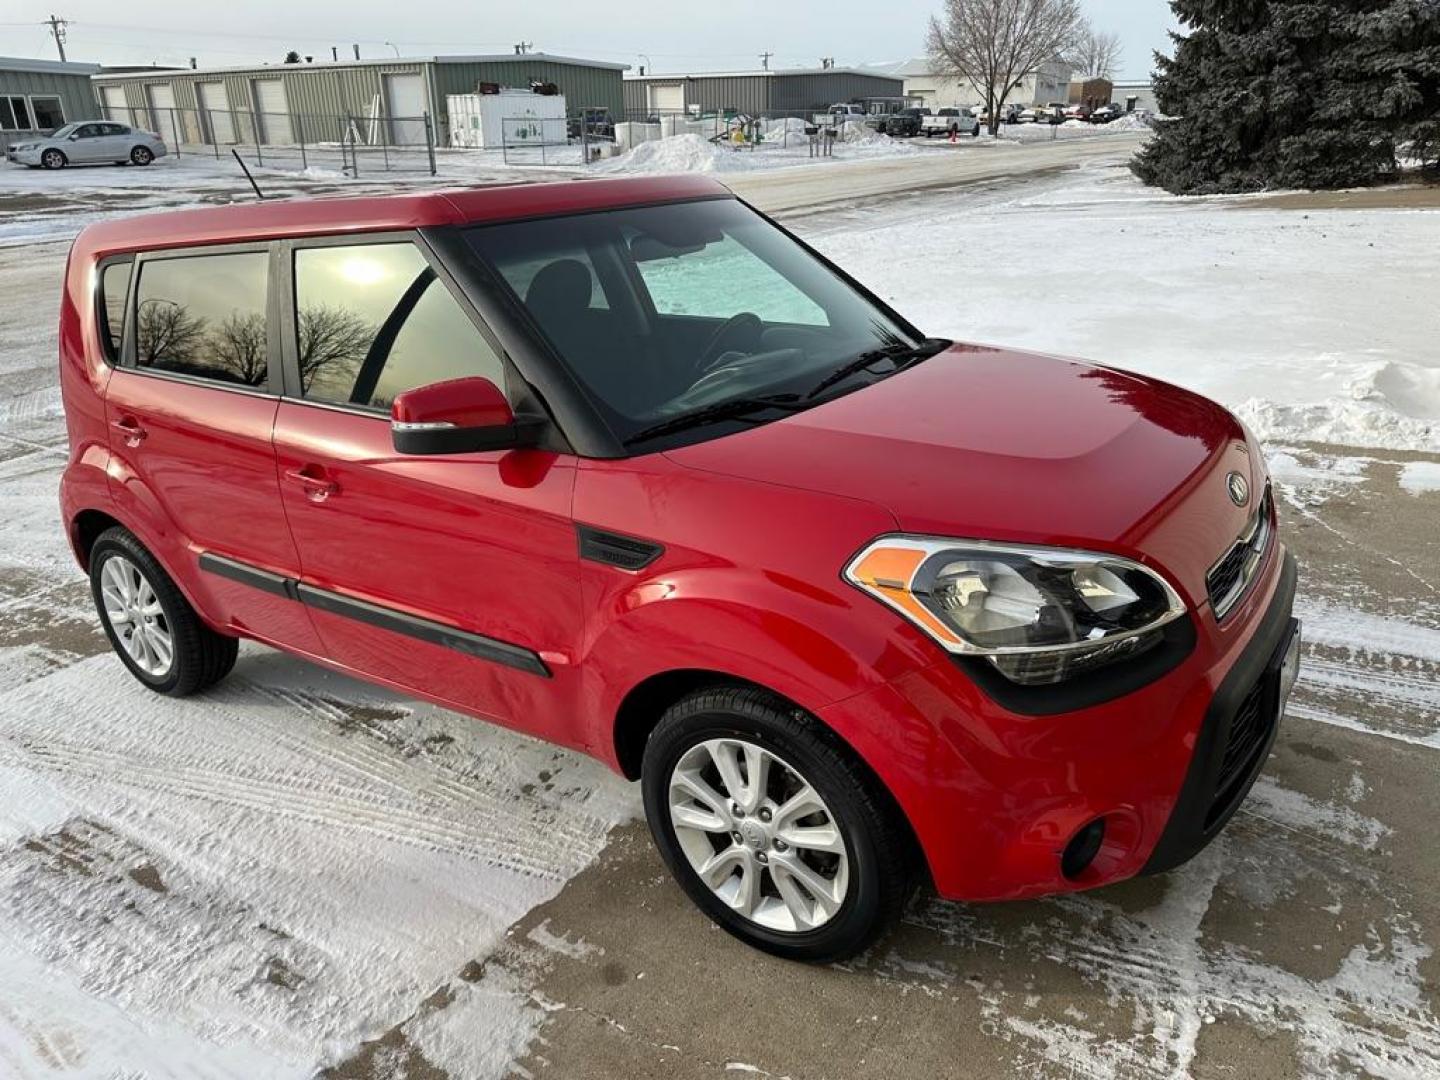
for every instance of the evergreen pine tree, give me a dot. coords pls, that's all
(1295, 93)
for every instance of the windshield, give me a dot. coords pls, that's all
(64, 132)
(664, 311)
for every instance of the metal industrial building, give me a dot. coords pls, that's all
(42, 95)
(798, 90)
(1050, 82)
(284, 104)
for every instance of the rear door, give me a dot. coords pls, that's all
(452, 575)
(192, 410)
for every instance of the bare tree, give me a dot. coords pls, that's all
(167, 335)
(1096, 55)
(333, 343)
(240, 347)
(995, 44)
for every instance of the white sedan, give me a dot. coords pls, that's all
(89, 142)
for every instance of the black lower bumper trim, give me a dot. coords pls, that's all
(1209, 796)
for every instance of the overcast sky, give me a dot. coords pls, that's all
(668, 35)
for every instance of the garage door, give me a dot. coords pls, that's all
(115, 107)
(274, 112)
(667, 98)
(215, 112)
(164, 120)
(405, 105)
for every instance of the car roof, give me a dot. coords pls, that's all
(282, 218)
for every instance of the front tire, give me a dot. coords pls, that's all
(773, 827)
(53, 159)
(150, 624)
(142, 155)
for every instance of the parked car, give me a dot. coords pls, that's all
(906, 123)
(1052, 656)
(1105, 113)
(1043, 114)
(1077, 112)
(89, 142)
(946, 121)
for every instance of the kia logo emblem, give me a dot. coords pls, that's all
(1238, 488)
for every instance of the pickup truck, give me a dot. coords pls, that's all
(905, 123)
(943, 121)
(838, 115)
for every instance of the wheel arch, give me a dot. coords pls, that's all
(645, 703)
(85, 528)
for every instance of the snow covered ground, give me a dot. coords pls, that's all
(1318, 325)
(296, 871)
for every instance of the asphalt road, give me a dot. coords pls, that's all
(791, 192)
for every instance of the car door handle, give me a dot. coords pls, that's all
(130, 430)
(317, 486)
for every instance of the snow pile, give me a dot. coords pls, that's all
(676, 154)
(1129, 122)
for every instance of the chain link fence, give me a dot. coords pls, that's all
(588, 139)
(349, 144)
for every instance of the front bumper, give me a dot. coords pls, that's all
(994, 796)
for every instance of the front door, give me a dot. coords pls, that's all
(453, 575)
(191, 414)
(88, 144)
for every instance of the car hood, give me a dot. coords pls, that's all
(988, 443)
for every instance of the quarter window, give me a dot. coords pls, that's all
(374, 320)
(114, 284)
(204, 315)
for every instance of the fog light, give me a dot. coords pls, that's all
(1082, 849)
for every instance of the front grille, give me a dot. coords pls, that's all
(1229, 579)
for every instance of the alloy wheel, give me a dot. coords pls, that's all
(758, 835)
(134, 613)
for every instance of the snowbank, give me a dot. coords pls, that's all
(694, 153)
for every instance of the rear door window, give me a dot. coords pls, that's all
(204, 316)
(374, 320)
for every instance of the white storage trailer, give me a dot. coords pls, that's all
(519, 117)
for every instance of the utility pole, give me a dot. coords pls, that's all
(765, 60)
(334, 54)
(57, 30)
(356, 47)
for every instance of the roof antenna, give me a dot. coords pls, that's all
(241, 162)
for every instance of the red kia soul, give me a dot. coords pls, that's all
(628, 467)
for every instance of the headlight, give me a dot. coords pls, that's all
(1039, 615)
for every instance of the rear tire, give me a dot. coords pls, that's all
(150, 624)
(142, 155)
(851, 889)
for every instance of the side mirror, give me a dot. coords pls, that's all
(74, 137)
(459, 416)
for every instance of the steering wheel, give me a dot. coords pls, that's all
(745, 327)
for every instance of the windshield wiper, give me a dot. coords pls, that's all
(901, 355)
(734, 409)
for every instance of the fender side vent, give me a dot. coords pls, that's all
(613, 549)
